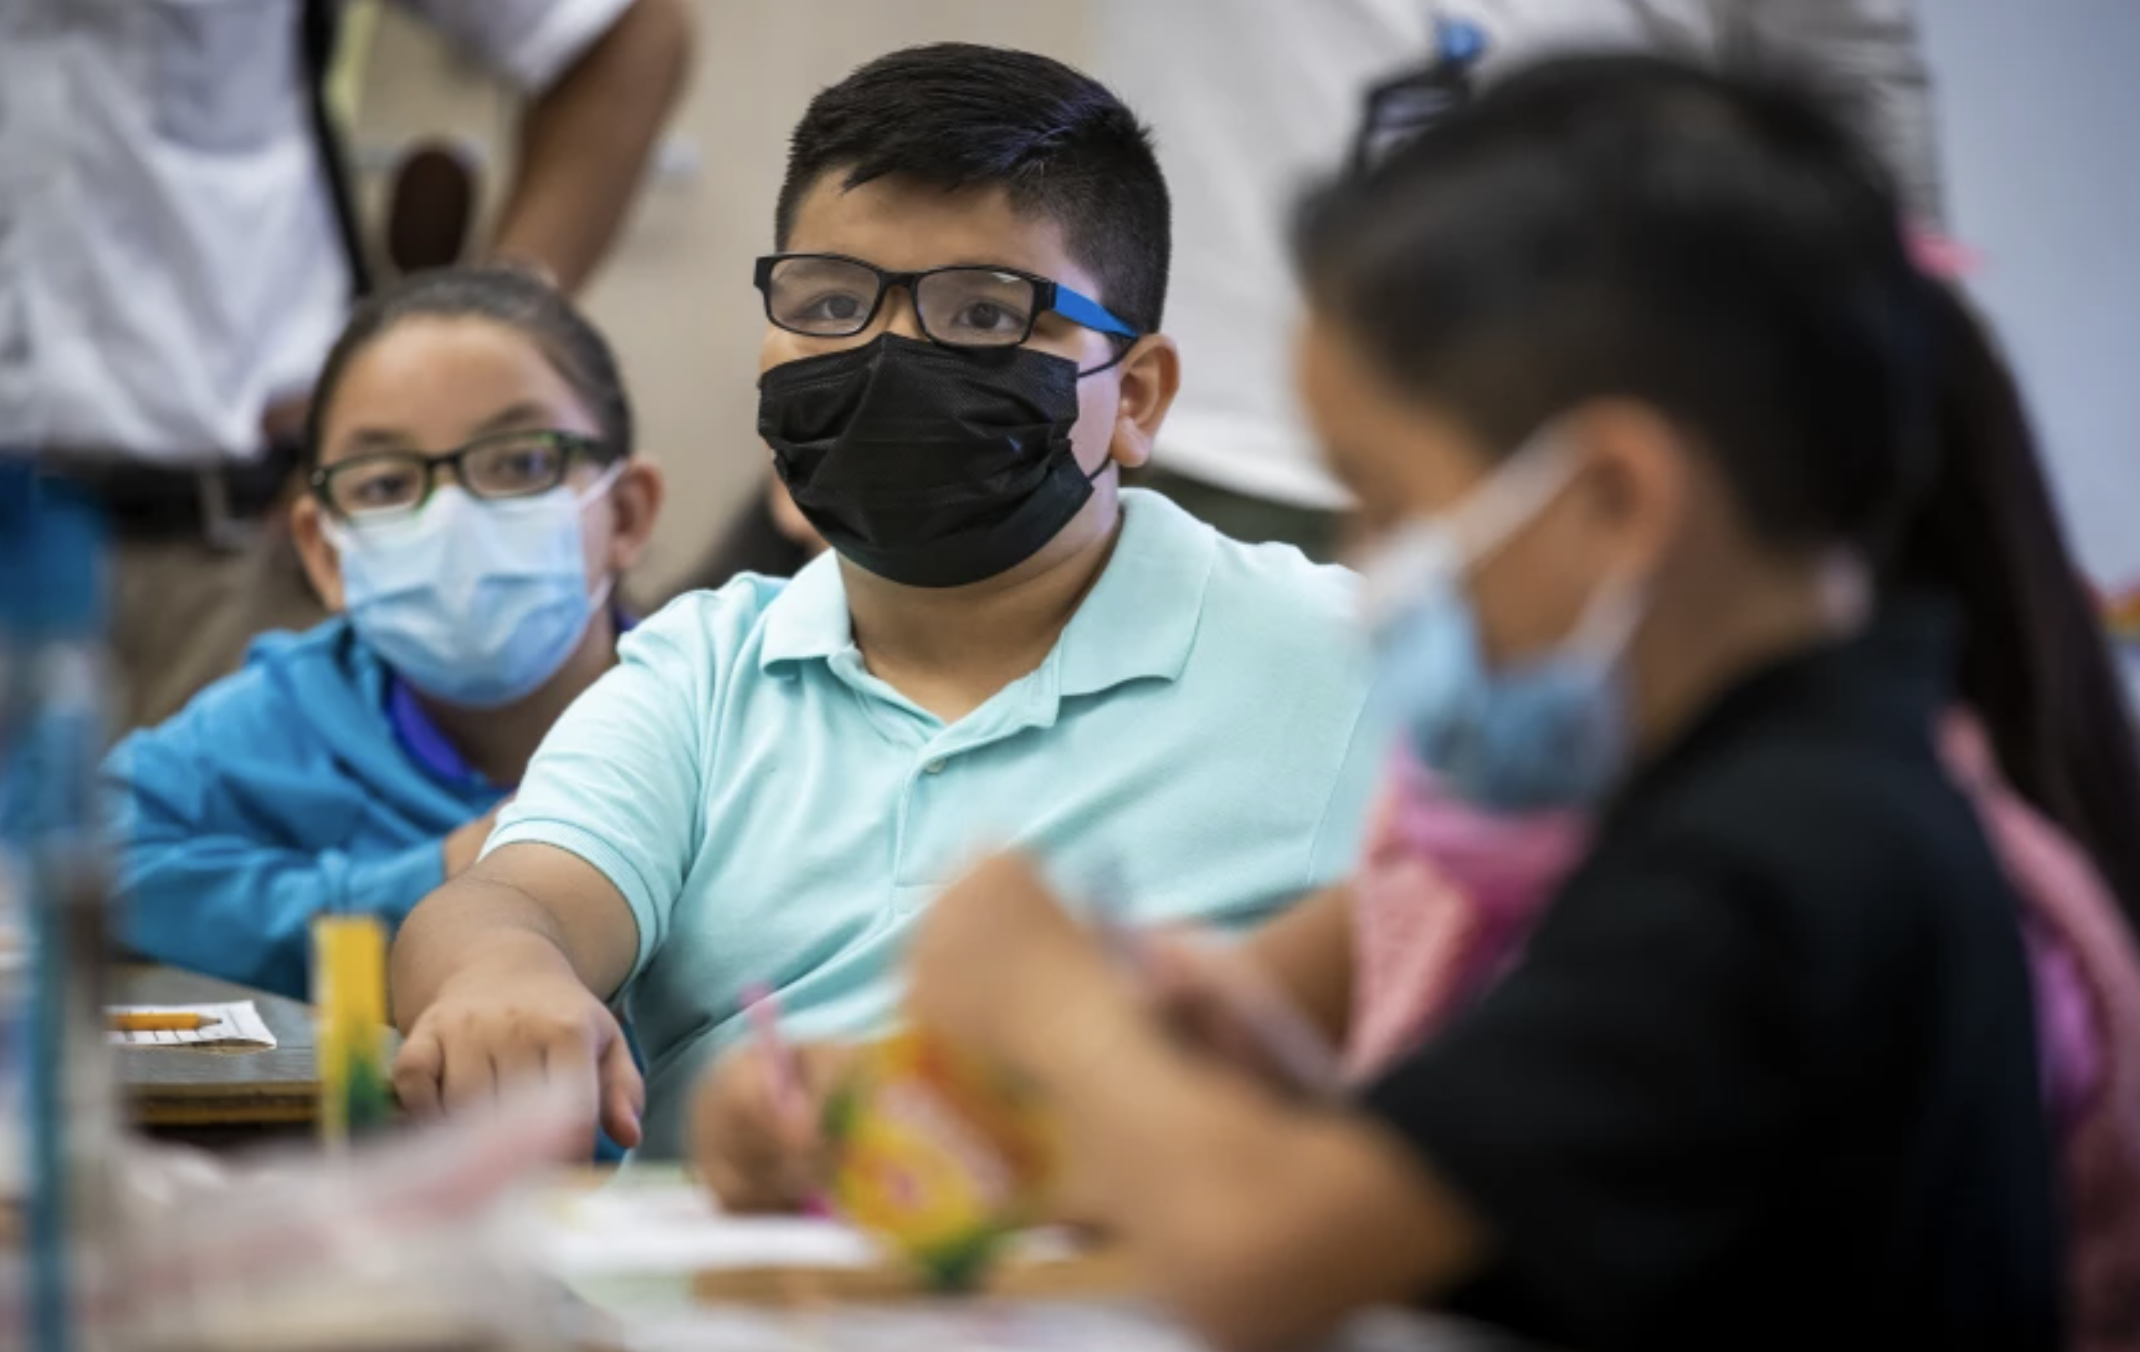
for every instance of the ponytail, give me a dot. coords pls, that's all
(2035, 663)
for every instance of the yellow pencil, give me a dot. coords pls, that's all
(160, 1023)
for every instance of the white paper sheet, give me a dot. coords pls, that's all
(652, 1223)
(656, 1222)
(999, 1326)
(236, 1025)
(938, 1327)
(674, 1227)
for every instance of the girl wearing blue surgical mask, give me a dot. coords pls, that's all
(473, 501)
(1642, 396)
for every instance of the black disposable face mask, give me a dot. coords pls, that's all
(930, 466)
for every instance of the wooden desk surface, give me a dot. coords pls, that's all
(198, 1087)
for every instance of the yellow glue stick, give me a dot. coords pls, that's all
(349, 993)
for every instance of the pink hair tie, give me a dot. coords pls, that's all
(1941, 256)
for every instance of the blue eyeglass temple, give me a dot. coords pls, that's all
(1088, 312)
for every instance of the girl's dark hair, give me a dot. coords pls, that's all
(2035, 663)
(509, 296)
(1724, 248)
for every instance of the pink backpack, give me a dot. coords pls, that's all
(1446, 896)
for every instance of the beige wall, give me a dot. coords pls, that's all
(676, 298)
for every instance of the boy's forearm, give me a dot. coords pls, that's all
(523, 909)
(471, 922)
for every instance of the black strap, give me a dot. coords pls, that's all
(320, 26)
(146, 501)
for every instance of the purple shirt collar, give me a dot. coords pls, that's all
(429, 747)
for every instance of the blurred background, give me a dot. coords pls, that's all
(2038, 105)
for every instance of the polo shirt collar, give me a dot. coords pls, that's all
(809, 618)
(1138, 622)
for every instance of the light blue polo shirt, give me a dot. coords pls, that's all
(774, 813)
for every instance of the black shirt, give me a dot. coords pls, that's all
(1766, 1076)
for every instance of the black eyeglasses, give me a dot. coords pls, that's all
(1401, 107)
(380, 484)
(833, 296)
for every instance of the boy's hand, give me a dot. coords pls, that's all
(496, 1024)
(756, 1149)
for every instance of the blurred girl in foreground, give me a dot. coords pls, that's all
(1693, 518)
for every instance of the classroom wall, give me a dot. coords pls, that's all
(2041, 107)
(2042, 125)
(676, 298)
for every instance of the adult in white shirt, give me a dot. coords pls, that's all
(172, 271)
(1250, 99)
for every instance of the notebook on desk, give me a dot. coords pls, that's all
(225, 1026)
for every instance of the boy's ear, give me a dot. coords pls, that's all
(1150, 378)
(322, 565)
(636, 499)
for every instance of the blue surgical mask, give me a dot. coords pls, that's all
(475, 603)
(1550, 732)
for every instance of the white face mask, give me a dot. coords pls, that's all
(1549, 733)
(476, 603)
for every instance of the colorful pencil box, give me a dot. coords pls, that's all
(942, 1156)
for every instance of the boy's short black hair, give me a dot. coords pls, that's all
(957, 115)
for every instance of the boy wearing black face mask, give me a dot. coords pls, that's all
(962, 352)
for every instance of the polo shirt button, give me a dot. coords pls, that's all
(935, 767)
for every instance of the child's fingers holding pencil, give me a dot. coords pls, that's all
(751, 1148)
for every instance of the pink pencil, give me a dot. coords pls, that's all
(1295, 1048)
(790, 1099)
